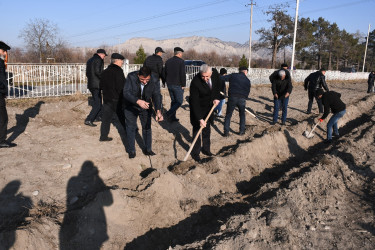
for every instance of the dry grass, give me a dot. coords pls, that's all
(29, 102)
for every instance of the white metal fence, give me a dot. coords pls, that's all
(43, 80)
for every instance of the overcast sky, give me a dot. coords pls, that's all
(94, 23)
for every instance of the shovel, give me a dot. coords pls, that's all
(310, 134)
(245, 108)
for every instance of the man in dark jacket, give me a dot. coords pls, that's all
(175, 77)
(3, 93)
(371, 78)
(275, 74)
(204, 93)
(112, 82)
(313, 82)
(239, 90)
(155, 63)
(94, 68)
(141, 96)
(223, 88)
(281, 89)
(331, 102)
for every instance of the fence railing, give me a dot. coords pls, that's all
(43, 80)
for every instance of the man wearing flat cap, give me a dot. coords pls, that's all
(175, 77)
(94, 68)
(111, 83)
(3, 93)
(155, 63)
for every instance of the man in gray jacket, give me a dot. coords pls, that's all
(94, 68)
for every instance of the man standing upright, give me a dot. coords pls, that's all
(155, 63)
(3, 93)
(204, 93)
(281, 89)
(112, 82)
(371, 79)
(313, 82)
(94, 68)
(239, 90)
(142, 95)
(223, 88)
(175, 77)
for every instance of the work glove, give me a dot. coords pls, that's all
(321, 120)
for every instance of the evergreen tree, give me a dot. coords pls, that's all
(244, 62)
(140, 56)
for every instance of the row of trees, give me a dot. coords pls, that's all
(319, 43)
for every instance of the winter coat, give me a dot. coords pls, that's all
(94, 68)
(132, 92)
(281, 87)
(155, 63)
(371, 78)
(112, 82)
(175, 71)
(202, 97)
(316, 81)
(3, 80)
(239, 85)
(332, 102)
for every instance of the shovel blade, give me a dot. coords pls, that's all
(308, 134)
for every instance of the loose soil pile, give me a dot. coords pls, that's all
(271, 188)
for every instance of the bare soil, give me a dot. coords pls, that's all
(271, 188)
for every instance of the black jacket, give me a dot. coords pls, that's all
(112, 82)
(3, 80)
(316, 81)
(239, 85)
(155, 63)
(94, 68)
(202, 97)
(132, 92)
(223, 87)
(281, 87)
(371, 78)
(175, 71)
(332, 102)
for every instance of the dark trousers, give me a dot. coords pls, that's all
(311, 94)
(3, 119)
(107, 113)
(177, 97)
(370, 87)
(131, 115)
(284, 104)
(96, 104)
(234, 102)
(203, 140)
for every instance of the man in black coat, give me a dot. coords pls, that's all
(371, 78)
(94, 68)
(313, 82)
(141, 96)
(331, 102)
(112, 82)
(204, 93)
(155, 63)
(239, 90)
(175, 77)
(281, 89)
(3, 93)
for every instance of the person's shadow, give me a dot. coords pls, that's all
(14, 208)
(23, 120)
(84, 225)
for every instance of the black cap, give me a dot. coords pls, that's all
(158, 49)
(117, 56)
(178, 49)
(243, 68)
(223, 71)
(101, 51)
(319, 92)
(4, 46)
(322, 69)
(284, 65)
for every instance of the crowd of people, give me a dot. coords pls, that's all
(138, 95)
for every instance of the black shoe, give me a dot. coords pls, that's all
(328, 141)
(241, 133)
(196, 158)
(105, 139)
(208, 153)
(308, 112)
(273, 123)
(98, 119)
(226, 134)
(89, 123)
(283, 123)
(131, 155)
(6, 144)
(151, 153)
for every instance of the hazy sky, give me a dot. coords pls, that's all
(94, 23)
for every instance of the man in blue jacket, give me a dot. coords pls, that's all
(239, 90)
(141, 96)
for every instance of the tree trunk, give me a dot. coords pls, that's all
(330, 60)
(337, 63)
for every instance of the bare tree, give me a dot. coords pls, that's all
(40, 35)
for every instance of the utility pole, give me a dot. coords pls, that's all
(364, 59)
(295, 35)
(251, 29)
